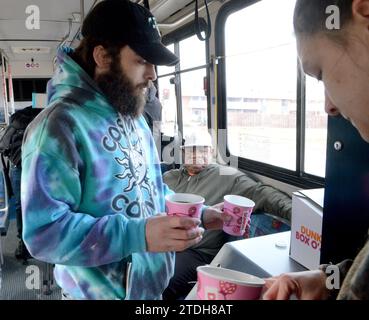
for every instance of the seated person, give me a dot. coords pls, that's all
(199, 176)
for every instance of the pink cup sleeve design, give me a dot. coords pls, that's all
(211, 296)
(236, 210)
(236, 224)
(236, 229)
(227, 288)
(192, 211)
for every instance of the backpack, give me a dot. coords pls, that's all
(11, 141)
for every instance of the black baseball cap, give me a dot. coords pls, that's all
(130, 23)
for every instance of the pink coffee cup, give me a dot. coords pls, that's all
(240, 209)
(184, 204)
(224, 284)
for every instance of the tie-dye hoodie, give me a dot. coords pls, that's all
(90, 179)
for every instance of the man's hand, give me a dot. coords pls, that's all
(213, 217)
(306, 285)
(164, 233)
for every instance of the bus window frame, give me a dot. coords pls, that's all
(174, 37)
(297, 178)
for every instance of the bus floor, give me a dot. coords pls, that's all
(24, 281)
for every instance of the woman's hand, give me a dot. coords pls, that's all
(306, 285)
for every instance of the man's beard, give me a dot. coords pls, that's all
(125, 97)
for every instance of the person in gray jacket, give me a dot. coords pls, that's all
(212, 181)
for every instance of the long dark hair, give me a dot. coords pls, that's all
(310, 16)
(83, 54)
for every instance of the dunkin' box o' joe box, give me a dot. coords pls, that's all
(306, 227)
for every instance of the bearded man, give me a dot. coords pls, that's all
(93, 197)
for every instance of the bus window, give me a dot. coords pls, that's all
(315, 128)
(261, 72)
(274, 116)
(167, 97)
(163, 70)
(192, 52)
(183, 89)
(194, 102)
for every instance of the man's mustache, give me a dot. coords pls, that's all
(144, 85)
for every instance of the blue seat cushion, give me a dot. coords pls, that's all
(263, 223)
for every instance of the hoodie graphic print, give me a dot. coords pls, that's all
(90, 180)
